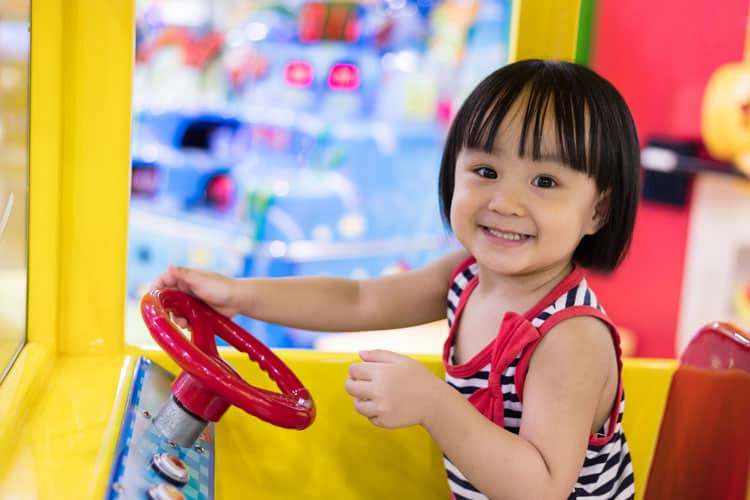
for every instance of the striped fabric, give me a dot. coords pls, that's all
(607, 471)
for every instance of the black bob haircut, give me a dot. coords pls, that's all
(573, 96)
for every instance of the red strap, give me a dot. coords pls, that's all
(549, 323)
(468, 261)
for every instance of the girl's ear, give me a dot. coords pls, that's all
(601, 211)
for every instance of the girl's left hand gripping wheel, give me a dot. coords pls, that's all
(208, 385)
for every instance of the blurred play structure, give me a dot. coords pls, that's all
(78, 388)
(283, 138)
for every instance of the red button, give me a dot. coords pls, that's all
(171, 468)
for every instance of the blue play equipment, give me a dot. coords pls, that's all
(320, 158)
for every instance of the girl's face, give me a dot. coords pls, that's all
(517, 216)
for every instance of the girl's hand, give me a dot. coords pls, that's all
(392, 390)
(216, 290)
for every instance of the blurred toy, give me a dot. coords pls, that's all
(742, 301)
(628, 342)
(725, 117)
(198, 49)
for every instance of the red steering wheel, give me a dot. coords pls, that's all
(208, 385)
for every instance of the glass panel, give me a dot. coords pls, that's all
(14, 176)
(279, 138)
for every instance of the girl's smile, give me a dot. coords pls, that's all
(506, 237)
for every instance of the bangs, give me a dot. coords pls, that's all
(539, 96)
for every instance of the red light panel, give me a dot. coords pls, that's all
(298, 74)
(344, 76)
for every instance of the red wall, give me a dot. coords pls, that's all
(660, 55)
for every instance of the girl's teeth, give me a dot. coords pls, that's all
(507, 236)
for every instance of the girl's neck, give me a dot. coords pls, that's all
(519, 293)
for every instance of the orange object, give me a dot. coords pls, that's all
(628, 342)
(742, 301)
(725, 113)
(197, 51)
(704, 440)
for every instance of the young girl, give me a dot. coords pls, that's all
(539, 178)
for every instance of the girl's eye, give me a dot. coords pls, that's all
(544, 181)
(486, 172)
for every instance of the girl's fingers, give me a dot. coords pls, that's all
(380, 356)
(358, 389)
(171, 278)
(360, 371)
(164, 280)
(366, 408)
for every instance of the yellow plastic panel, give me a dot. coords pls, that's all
(28, 377)
(646, 388)
(544, 29)
(65, 447)
(21, 388)
(98, 55)
(45, 150)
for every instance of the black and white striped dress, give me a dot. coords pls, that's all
(493, 382)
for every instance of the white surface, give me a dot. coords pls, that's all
(719, 226)
(422, 339)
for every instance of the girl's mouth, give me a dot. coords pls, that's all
(506, 235)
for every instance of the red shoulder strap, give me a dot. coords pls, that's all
(549, 323)
(468, 261)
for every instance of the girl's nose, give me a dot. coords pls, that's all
(508, 200)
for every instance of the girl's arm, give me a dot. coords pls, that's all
(337, 304)
(324, 303)
(567, 380)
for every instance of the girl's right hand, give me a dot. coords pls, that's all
(216, 290)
